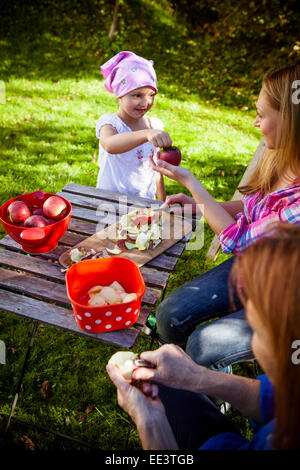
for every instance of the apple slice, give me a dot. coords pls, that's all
(95, 290)
(97, 300)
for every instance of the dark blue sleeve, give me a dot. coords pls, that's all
(262, 430)
(266, 402)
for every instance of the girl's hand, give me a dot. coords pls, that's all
(134, 401)
(173, 368)
(188, 204)
(159, 138)
(177, 173)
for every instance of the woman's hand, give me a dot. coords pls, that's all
(146, 410)
(173, 368)
(159, 138)
(176, 173)
(134, 401)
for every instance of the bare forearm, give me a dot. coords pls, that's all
(216, 216)
(241, 392)
(232, 207)
(120, 143)
(156, 433)
(160, 188)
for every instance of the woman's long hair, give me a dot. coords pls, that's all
(281, 86)
(268, 274)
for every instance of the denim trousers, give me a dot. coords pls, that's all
(198, 317)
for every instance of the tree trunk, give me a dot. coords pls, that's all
(113, 26)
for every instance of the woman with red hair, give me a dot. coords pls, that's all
(173, 410)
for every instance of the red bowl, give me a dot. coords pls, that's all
(103, 271)
(35, 240)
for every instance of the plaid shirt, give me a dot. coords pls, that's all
(259, 213)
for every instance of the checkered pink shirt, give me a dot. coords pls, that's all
(259, 213)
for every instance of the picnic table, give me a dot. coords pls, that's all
(33, 286)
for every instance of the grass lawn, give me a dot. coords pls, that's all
(48, 140)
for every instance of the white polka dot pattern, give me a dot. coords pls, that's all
(116, 320)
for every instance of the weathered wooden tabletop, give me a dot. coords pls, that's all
(33, 286)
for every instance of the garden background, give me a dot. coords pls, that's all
(210, 58)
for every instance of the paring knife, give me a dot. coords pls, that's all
(143, 363)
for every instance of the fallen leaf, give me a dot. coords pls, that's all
(80, 417)
(68, 420)
(88, 409)
(12, 350)
(46, 389)
(28, 443)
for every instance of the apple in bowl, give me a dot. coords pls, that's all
(18, 212)
(170, 155)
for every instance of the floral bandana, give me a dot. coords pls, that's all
(127, 71)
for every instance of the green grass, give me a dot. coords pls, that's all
(48, 140)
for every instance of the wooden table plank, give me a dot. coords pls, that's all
(109, 195)
(176, 250)
(70, 239)
(33, 286)
(56, 316)
(84, 228)
(94, 216)
(97, 204)
(32, 265)
(52, 291)
(41, 267)
(163, 262)
(10, 244)
(155, 278)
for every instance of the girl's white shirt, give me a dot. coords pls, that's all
(128, 172)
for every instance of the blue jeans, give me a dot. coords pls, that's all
(225, 340)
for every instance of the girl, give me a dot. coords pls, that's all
(269, 272)
(272, 194)
(128, 136)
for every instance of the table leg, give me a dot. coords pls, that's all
(35, 325)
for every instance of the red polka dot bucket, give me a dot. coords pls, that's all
(85, 275)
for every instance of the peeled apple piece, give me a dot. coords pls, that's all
(125, 361)
(117, 286)
(95, 290)
(111, 295)
(97, 300)
(129, 297)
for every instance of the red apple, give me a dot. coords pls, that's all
(39, 195)
(55, 208)
(18, 212)
(35, 221)
(38, 211)
(171, 155)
